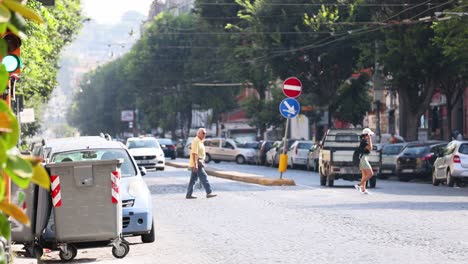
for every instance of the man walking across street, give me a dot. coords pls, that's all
(197, 165)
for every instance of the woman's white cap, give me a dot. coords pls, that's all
(367, 131)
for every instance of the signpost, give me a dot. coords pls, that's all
(289, 108)
(292, 87)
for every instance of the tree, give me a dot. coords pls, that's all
(20, 170)
(414, 62)
(353, 100)
(40, 55)
(452, 38)
(157, 77)
(299, 40)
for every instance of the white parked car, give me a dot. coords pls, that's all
(273, 155)
(297, 153)
(451, 165)
(187, 147)
(147, 152)
(225, 149)
(313, 157)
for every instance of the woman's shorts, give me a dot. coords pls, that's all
(364, 163)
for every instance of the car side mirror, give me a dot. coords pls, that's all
(142, 171)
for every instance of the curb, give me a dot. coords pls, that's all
(239, 176)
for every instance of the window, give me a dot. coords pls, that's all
(391, 149)
(127, 169)
(143, 143)
(212, 143)
(228, 145)
(346, 138)
(304, 145)
(416, 150)
(463, 149)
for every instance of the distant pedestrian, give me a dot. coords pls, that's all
(456, 135)
(197, 165)
(366, 170)
(393, 139)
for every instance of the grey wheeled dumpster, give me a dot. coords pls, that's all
(86, 204)
(37, 206)
(19, 233)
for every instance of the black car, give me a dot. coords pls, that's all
(180, 147)
(264, 147)
(416, 160)
(168, 147)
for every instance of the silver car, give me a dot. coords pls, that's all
(313, 157)
(389, 159)
(451, 165)
(225, 149)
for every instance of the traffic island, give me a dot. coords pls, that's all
(239, 176)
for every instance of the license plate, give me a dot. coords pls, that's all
(386, 171)
(144, 161)
(408, 170)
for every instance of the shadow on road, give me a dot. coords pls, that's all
(401, 205)
(220, 187)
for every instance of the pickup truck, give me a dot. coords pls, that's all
(336, 157)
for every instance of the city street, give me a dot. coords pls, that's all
(398, 223)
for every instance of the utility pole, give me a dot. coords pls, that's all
(378, 89)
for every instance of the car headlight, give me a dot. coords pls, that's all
(135, 189)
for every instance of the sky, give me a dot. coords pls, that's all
(110, 11)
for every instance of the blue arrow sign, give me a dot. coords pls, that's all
(289, 108)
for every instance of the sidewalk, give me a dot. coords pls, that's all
(238, 176)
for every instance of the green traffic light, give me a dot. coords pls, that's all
(11, 62)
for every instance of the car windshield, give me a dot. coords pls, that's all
(165, 141)
(143, 143)
(416, 150)
(304, 145)
(392, 149)
(347, 138)
(127, 169)
(249, 145)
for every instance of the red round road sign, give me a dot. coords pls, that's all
(292, 87)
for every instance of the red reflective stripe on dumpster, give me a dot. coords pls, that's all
(56, 196)
(115, 176)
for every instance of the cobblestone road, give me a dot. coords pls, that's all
(398, 223)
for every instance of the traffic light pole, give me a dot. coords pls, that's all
(8, 95)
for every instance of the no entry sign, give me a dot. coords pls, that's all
(292, 87)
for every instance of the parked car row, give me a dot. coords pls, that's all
(438, 161)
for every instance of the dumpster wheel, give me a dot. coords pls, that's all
(120, 250)
(69, 254)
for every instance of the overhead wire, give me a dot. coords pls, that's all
(323, 42)
(345, 35)
(313, 4)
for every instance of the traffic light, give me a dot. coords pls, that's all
(12, 62)
(12, 59)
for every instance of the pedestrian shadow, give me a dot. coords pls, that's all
(77, 260)
(228, 186)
